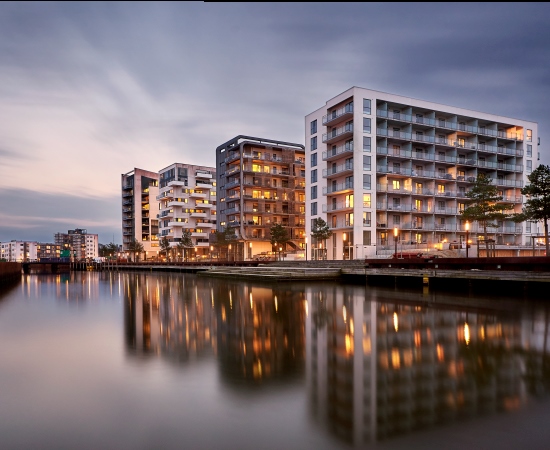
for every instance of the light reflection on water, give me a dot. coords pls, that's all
(330, 364)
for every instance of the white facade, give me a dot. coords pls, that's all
(187, 196)
(18, 251)
(378, 161)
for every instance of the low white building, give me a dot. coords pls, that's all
(18, 251)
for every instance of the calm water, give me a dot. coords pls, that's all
(147, 361)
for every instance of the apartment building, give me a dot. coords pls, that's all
(140, 210)
(187, 201)
(18, 251)
(82, 244)
(261, 183)
(381, 162)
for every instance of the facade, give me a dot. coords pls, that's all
(81, 244)
(139, 210)
(187, 196)
(261, 183)
(18, 251)
(378, 162)
(48, 250)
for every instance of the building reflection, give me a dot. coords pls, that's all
(260, 332)
(377, 367)
(72, 287)
(169, 315)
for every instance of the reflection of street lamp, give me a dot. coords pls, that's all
(250, 250)
(345, 237)
(467, 234)
(211, 249)
(306, 248)
(280, 250)
(395, 233)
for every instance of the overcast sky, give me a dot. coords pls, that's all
(89, 91)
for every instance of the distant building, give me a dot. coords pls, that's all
(18, 251)
(81, 244)
(261, 182)
(187, 196)
(140, 210)
(48, 250)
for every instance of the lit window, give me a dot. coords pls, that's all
(529, 135)
(366, 201)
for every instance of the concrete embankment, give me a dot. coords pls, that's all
(9, 271)
(274, 273)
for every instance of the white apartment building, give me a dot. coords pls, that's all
(376, 162)
(83, 245)
(187, 196)
(139, 210)
(18, 251)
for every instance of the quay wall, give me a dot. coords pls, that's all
(9, 271)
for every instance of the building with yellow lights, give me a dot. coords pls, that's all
(377, 162)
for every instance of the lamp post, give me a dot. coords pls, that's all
(395, 233)
(467, 234)
(306, 248)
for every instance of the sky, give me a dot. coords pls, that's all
(88, 91)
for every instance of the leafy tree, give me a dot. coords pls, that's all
(185, 243)
(165, 246)
(135, 247)
(483, 206)
(320, 231)
(279, 236)
(107, 250)
(537, 206)
(222, 239)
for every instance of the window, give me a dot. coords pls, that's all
(349, 182)
(529, 135)
(397, 220)
(314, 209)
(349, 221)
(314, 176)
(366, 125)
(349, 201)
(313, 159)
(529, 166)
(366, 144)
(529, 150)
(366, 238)
(348, 107)
(366, 218)
(396, 184)
(366, 162)
(313, 192)
(314, 143)
(366, 200)
(441, 188)
(366, 106)
(313, 126)
(366, 181)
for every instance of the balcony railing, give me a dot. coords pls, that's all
(337, 187)
(339, 206)
(341, 149)
(394, 170)
(339, 132)
(337, 113)
(336, 170)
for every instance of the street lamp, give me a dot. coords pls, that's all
(395, 233)
(306, 248)
(467, 234)
(345, 237)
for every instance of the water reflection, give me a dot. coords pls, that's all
(377, 367)
(378, 362)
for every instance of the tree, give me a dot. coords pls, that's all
(279, 236)
(165, 246)
(320, 231)
(483, 206)
(107, 250)
(537, 206)
(222, 239)
(135, 247)
(185, 243)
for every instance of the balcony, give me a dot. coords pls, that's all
(194, 194)
(339, 206)
(338, 114)
(394, 170)
(232, 170)
(338, 187)
(177, 202)
(198, 214)
(338, 170)
(200, 204)
(337, 152)
(338, 133)
(202, 224)
(446, 211)
(394, 152)
(206, 175)
(445, 176)
(391, 189)
(232, 156)
(445, 194)
(341, 223)
(423, 174)
(196, 234)
(203, 185)
(177, 183)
